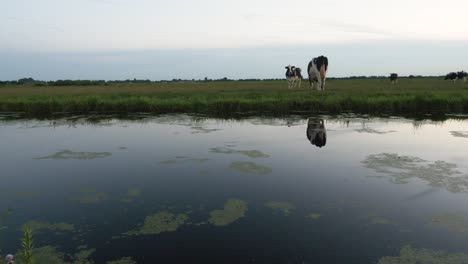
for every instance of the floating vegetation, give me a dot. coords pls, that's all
(160, 222)
(283, 207)
(202, 130)
(233, 210)
(379, 220)
(181, 159)
(461, 134)
(453, 222)
(410, 255)
(250, 167)
(91, 195)
(249, 153)
(203, 172)
(126, 260)
(36, 226)
(68, 154)
(51, 255)
(403, 168)
(373, 131)
(131, 195)
(314, 216)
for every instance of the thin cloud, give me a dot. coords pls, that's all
(356, 28)
(35, 23)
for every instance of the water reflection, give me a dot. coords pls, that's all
(316, 132)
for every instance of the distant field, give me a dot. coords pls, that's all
(368, 96)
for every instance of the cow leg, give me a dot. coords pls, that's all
(300, 82)
(323, 84)
(310, 82)
(319, 84)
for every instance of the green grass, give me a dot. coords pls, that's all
(367, 96)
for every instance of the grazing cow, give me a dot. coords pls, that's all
(317, 70)
(293, 75)
(462, 75)
(316, 132)
(393, 78)
(451, 76)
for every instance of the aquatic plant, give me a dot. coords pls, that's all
(314, 216)
(68, 154)
(461, 134)
(160, 222)
(402, 168)
(249, 153)
(27, 246)
(126, 260)
(233, 210)
(454, 222)
(373, 131)
(250, 167)
(35, 226)
(410, 255)
(89, 195)
(131, 195)
(283, 207)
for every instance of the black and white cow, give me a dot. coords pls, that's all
(451, 76)
(293, 75)
(393, 78)
(316, 132)
(317, 70)
(462, 75)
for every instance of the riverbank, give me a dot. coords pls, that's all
(421, 96)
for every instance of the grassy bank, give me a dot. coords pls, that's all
(366, 96)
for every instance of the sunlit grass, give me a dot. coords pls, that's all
(370, 96)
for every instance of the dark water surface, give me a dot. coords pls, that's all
(182, 189)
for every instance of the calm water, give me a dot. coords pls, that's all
(181, 189)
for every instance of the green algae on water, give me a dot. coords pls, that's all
(250, 167)
(160, 222)
(68, 154)
(410, 255)
(46, 226)
(283, 207)
(453, 222)
(460, 134)
(126, 260)
(249, 153)
(131, 195)
(233, 210)
(401, 169)
(314, 216)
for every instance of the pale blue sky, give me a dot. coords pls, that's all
(119, 39)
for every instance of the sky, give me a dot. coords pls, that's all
(143, 39)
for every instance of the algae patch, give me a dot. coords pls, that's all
(126, 260)
(402, 168)
(233, 210)
(461, 134)
(373, 131)
(250, 167)
(410, 255)
(249, 153)
(453, 222)
(68, 154)
(160, 222)
(283, 207)
(183, 159)
(54, 227)
(314, 216)
(89, 195)
(131, 195)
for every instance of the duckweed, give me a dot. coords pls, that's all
(233, 210)
(68, 154)
(250, 167)
(284, 207)
(410, 255)
(160, 222)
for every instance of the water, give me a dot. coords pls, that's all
(224, 191)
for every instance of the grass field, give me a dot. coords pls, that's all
(410, 97)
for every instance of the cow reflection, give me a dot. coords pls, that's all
(316, 132)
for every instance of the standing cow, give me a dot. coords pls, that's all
(317, 70)
(462, 75)
(393, 78)
(451, 76)
(293, 75)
